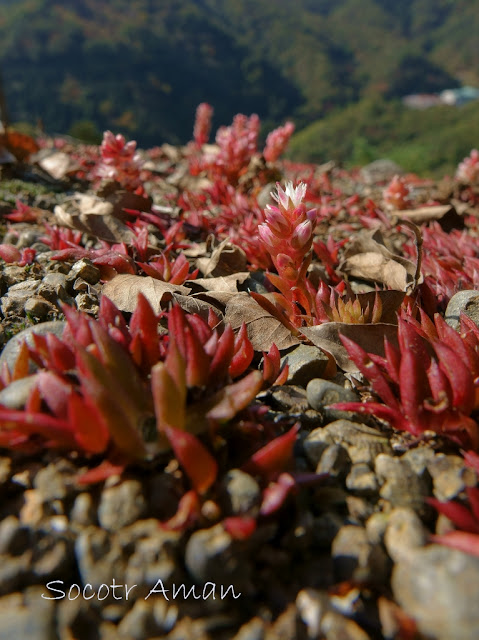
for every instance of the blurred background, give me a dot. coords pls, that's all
(361, 79)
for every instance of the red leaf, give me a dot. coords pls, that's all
(274, 456)
(98, 474)
(370, 371)
(196, 460)
(458, 513)
(222, 358)
(461, 540)
(189, 510)
(169, 391)
(243, 353)
(91, 432)
(276, 493)
(472, 460)
(240, 527)
(462, 384)
(235, 397)
(144, 325)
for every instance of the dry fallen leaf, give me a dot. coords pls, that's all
(58, 164)
(369, 336)
(446, 215)
(263, 328)
(226, 259)
(195, 304)
(368, 258)
(103, 218)
(221, 283)
(123, 291)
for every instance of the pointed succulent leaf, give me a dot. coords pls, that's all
(169, 395)
(55, 391)
(276, 493)
(123, 415)
(461, 540)
(459, 376)
(189, 511)
(370, 371)
(243, 353)
(234, 398)
(102, 472)
(220, 363)
(412, 385)
(53, 429)
(274, 456)
(240, 527)
(471, 458)
(194, 457)
(91, 432)
(458, 514)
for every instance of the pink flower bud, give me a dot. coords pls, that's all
(267, 237)
(302, 234)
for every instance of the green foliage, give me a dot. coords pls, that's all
(142, 67)
(432, 141)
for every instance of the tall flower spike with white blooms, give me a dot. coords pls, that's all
(288, 233)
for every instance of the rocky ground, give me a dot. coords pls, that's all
(347, 556)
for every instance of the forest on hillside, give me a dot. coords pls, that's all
(141, 67)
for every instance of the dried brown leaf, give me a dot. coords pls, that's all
(123, 291)
(103, 218)
(226, 259)
(263, 328)
(368, 258)
(195, 304)
(221, 283)
(369, 336)
(446, 215)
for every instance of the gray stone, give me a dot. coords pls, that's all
(139, 623)
(466, 301)
(13, 302)
(121, 505)
(305, 363)
(363, 443)
(334, 461)
(450, 476)
(334, 626)
(404, 533)
(27, 615)
(12, 274)
(439, 588)
(376, 526)
(419, 459)
(401, 487)
(153, 559)
(83, 512)
(38, 307)
(355, 558)
(85, 270)
(212, 555)
(362, 480)
(12, 348)
(241, 492)
(99, 557)
(53, 288)
(87, 302)
(324, 392)
(254, 629)
(14, 537)
(54, 481)
(52, 558)
(15, 395)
